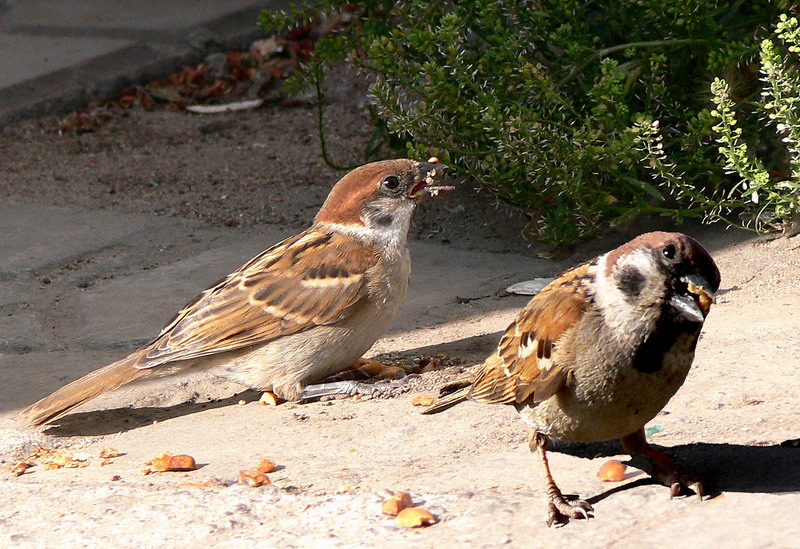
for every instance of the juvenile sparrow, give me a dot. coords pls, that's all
(298, 312)
(599, 352)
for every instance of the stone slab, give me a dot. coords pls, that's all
(37, 236)
(121, 14)
(26, 56)
(58, 56)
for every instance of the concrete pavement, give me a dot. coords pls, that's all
(80, 288)
(55, 55)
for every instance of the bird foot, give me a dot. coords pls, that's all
(562, 509)
(679, 483)
(351, 389)
(666, 470)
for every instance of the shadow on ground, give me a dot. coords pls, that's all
(116, 420)
(722, 467)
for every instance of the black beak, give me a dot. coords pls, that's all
(429, 177)
(696, 302)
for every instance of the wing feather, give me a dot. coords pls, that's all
(313, 278)
(524, 365)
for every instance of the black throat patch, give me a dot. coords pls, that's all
(649, 357)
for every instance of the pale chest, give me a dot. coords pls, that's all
(609, 395)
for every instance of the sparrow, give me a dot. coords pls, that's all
(599, 352)
(296, 313)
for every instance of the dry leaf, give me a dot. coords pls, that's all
(430, 364)
(164, 92)
(50, 458)
(160, 462)
(182, 463)
(168, 462)
(263, 48)
(107, 453)
(370, 367)
(392, 372)
(20, 468)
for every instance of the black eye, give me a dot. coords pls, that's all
(669, 251)
(391, 182)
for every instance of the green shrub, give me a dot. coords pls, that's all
(771, 198)
(557, 107)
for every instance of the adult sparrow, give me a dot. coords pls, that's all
(298, 312)
(599, 352)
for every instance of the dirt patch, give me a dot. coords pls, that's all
(240, 169)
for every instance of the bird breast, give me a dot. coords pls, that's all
(608, 393)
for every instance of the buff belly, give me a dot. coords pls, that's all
(608, 401)
(286, 365)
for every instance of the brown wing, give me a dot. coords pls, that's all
(313, 278)
(523, 366)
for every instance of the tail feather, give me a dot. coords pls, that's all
(83, 390)
(448, 400)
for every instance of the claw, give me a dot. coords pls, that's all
(698, 489)
(679, 483)
(554, 516)
(561, 511)
(581, 512)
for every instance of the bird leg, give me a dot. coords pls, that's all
(349, 389)
(666, 470)
(560, 508)
(345, 382)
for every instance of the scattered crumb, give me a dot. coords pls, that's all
(414, 517)
(265, 466)
(253, 478)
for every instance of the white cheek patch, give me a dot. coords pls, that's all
(389, 237)
(620, 313)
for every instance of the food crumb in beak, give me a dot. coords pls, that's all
(704, 299)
